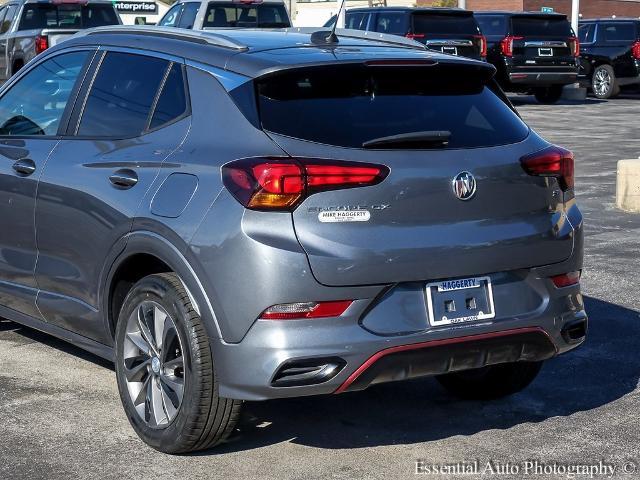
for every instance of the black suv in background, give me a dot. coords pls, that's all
(447, 30)
(609, 54)
(533, 52)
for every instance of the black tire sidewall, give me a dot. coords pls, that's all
(157, 289)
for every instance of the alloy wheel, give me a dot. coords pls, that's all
(602, 82)
(154, 364)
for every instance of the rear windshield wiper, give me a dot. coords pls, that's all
(430, 138)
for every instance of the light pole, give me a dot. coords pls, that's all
(575, 13)
(462, 4)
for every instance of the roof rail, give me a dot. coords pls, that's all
(195, 36)
(362, 35)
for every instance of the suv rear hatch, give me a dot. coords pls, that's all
(412, 226)
(455, 33)
(543, 41)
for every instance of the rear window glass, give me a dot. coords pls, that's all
(71, 16)
(541, 27)
(369, 103)
(585, 32)
(444, 24)
(261, 15)
(620, 31)
(492, 25)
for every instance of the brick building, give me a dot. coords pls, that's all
(588, 8)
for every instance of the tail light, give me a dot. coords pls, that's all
(551, 162)
(506, 45)
(413, 36)
(482, 42)
(289, 311)
(574, 46)
(282, 183)
(635, 50)
(566, 279)
(42, 43)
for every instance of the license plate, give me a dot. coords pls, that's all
(545, 52)
(459, 301)
(450, 50)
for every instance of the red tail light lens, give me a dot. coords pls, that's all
(506, 45)
(282, 183)
(413, 36)
(635, 50)
(551, 162)
(566, 279)
(574, 46)
(482, 42)
(289, 311)
(42, 43)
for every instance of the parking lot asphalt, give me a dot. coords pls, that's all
(60, 415)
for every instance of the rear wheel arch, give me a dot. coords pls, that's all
(148, 253)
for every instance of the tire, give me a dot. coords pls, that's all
(604, 83)
(164, 419)
(548, 95)
(490, 383)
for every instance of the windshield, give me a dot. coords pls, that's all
(250, 15)
(66, 16)
(351, 105)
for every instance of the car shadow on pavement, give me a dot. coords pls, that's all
(601, 371)
(520, 100)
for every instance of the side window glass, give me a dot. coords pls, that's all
(585, 32)
(172, 102)
(619, 32)
(188, 15)
(393, 23)
(170, 18)
(8, 19)
(36, 103)
(354, 20)
(3, 13)
(122, 94)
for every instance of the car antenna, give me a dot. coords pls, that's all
(320, 37)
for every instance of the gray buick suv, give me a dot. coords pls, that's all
(244, 215)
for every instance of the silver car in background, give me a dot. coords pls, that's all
(29, 27)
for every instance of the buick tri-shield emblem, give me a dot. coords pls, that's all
(464, 185)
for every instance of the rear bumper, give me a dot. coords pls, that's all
(309, 357)
(535, 78)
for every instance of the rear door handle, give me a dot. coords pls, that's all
(124, 178)
(25, 167)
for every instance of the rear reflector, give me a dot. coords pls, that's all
(289, 311)
(551, 162)
(566, 279)
(282, 183)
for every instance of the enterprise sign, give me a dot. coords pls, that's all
(136, 7)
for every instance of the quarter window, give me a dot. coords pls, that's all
(620, 32)
(172, 102)
(122, 95)
(585, 32)
(36, 103)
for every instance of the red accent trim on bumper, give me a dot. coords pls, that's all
(433, 343)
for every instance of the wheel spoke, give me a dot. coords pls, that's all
(159, 414)
(170, 408)
(136, 368)
(160, 324)
(175, 384)
(144, 330)
(171, 365)
(139, 341)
